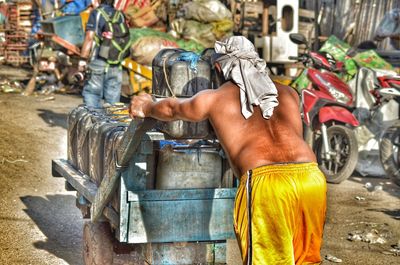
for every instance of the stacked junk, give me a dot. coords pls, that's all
(181, 162)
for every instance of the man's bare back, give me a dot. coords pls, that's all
(248, 143)
(257, 141)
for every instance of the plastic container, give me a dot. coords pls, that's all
(98, 136)
(72, 120)
(172, 77)
(169, 73)
(83, 127)
(80, 121)
(112, 143)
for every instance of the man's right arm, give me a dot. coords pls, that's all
(89, 35)
(87, 44)
(196, 108)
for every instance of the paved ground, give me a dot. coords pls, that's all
(39, 223)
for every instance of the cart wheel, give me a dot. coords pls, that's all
(97, 244)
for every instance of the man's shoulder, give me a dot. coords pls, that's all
(228, 85)
(285, 89)
(287, 92)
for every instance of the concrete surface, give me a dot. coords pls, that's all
(39, 223)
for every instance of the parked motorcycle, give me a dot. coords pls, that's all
(327, 115)
(390, 141)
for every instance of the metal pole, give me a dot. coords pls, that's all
(316, 26)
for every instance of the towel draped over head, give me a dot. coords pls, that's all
(240, 63)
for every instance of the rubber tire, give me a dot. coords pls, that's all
(97, 244)
(387, 153)
(351, 162)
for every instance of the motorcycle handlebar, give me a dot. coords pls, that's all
(295, 58)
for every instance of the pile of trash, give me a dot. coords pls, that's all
(7, 86)
(372, 236)
(375, 236)
(198, 24)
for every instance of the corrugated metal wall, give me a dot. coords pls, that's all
(352, 20)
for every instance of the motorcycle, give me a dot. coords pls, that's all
(390, 141)
(326, 109)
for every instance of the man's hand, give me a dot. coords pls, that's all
(140, 106)
(82, 65)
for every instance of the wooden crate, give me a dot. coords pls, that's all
(20, 16)
(247, 16)
(17, 28)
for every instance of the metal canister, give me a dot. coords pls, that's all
(72, 121)
(186, 167)
(97, 139)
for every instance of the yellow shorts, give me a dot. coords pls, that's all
(288, 205)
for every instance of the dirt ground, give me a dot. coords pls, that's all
(39, 223)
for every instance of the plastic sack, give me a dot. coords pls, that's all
(191, 57)
(335, 47)
(146, 43)
(193, 30)
(222, 28)
(205, 11)
(389, 25)
(301, 82)
(143, 16)
(351, 68)
(339, 49)
(145, 49)
(371, 59)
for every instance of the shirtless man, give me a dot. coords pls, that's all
(283, 221)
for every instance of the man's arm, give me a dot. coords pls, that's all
(196, 108)
(91, 28)
(87, 44)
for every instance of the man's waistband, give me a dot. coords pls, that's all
(282, 167)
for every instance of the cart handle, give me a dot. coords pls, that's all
(130, 143)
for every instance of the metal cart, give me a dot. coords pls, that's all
(186, 226)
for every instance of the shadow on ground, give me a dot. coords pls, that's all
(53, 119)
(59, 220)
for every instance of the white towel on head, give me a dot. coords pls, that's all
(241, 64)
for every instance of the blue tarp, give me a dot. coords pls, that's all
(72, 8)
(75, 7)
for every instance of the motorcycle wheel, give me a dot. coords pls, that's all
(341, 165)
(389, 152)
